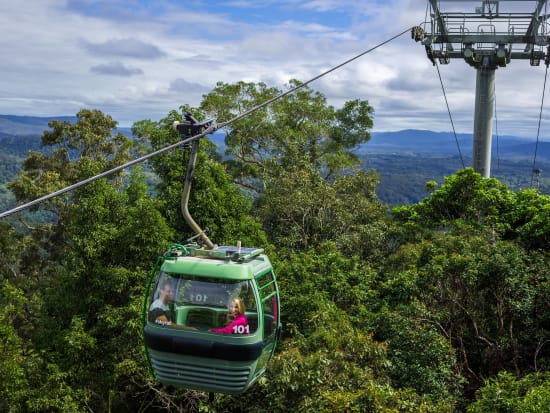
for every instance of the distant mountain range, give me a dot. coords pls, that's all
(403, 142)
(13, 125)
(405, 160)
(412, 141)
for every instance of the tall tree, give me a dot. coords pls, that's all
(465, 199)
(90, 263)
(346, 211)
(298, 129)
(301, 148)
(473, 276)
(530, 220)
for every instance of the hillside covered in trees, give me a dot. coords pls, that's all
(405, 160)
(437, 306)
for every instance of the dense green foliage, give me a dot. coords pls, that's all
(403, 176)
(12, 153)
(506, 393)
(438, 306)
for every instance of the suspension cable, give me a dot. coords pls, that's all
(538, 128)
(210, 130)
(267, 102)
(450, 116)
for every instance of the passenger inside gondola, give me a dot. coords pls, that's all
(159, 311)
(236, 317)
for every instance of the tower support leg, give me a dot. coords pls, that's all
(483, 120)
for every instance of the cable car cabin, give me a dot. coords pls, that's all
(211, 318)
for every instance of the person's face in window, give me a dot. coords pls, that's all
(166, 293)
(233, 308)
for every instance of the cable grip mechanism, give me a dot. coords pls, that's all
(191, 127)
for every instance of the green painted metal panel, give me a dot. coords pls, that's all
(224, 269)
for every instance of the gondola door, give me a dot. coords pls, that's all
(269, 310)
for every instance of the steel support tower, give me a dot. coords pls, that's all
(487, 36)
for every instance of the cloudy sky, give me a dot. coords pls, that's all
(138, 59)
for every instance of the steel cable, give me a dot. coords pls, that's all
(210, 130)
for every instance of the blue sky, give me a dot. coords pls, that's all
(137, 59)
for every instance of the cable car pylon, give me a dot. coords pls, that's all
(485, 39)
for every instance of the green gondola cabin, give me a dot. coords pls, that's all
(188, 329)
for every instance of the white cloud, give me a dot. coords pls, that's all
(56, 56)
(124, 47)
(116, 69)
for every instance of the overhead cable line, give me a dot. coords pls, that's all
(208, 131)
(533, 173)
(450, 116)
